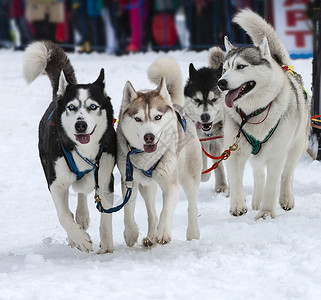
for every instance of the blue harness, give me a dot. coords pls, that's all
(80, 174)
(129, 175)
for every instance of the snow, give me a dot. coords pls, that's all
(235, 258)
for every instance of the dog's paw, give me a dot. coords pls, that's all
(131, 235)
(287, 203)
(80, 239)
(105, 249)
(192, 233)
(220, 188)
(205, 177)
(149, 242)
(264, 213)
(238, 209)
(163, 238)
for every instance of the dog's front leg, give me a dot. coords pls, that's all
(78, 237)
(170, 190)
(274, 170)
(148, 193)
(82, 213)
(235, 165)
(259, 185)
(131, 230)
(105, 229)
(191, 185)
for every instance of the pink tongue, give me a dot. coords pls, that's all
(150, 148)
(198, 125)
(231, 96)
(83, 138)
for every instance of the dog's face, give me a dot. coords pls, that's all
(247, 74)
(83, 110)
(147, 118)
(203, 98)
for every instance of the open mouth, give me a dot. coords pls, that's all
(238, 93)
(204, 126)
(84, 138)
(150, 148)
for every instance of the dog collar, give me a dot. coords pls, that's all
(251, 115)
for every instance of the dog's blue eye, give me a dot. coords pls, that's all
(158, 117)
(138, 119)
(93, 107)
(240, 67)
(71, 107)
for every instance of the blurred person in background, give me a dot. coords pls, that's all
(5, 38)
(86, 17)
(17, 14)
(164, 35)
(44, 15)
(108, 12)
(138, 16)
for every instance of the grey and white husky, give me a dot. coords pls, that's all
(161, 147)
(267, 114)
(77, 142)
(204, 103)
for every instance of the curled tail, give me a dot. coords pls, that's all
(168, 67)
(46, 56)
(216, 57)
(256, 27)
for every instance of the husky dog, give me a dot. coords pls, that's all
(204, 103)
(162, 147)
(77, 142)
(267, 114)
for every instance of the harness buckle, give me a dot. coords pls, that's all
(129, 184)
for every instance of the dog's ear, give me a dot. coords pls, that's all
(228, 45)
(129, 93)
(264, 48)
(162, 89)
(192, 71)
(63, 83)
(101, 79)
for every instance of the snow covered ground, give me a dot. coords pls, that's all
(236, 258)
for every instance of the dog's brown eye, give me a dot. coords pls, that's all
(138, 119)
(158, 117)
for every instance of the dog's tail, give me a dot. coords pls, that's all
(168, 67)
(257, 28)
(216, 57)
(45, 56)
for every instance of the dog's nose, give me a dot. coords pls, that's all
(81, 126)
(222, 84)
(205, 117)
(149, 138)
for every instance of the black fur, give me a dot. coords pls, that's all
(202, 80)
(51, 132)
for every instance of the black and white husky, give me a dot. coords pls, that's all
(77, 142)
(267, 114)
(157, 144)
(204, 104)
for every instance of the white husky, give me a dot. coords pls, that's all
(268, 108)
(161, 147)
